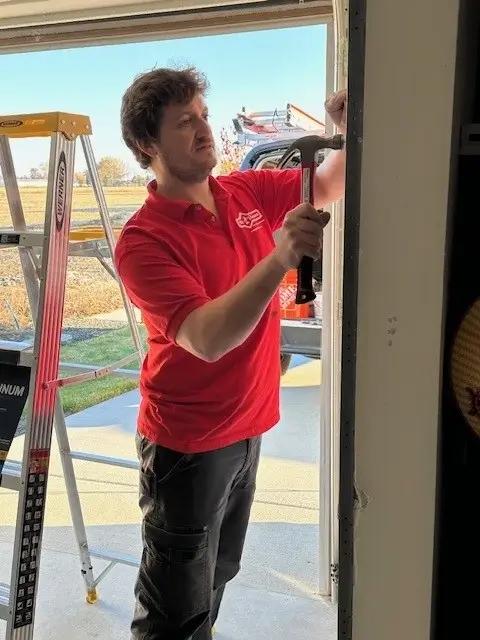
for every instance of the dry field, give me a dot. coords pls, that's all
(90, 290)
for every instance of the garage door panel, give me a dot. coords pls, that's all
(25, 12)
(21, 13)
(162, 25)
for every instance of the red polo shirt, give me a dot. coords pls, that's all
(174, 257)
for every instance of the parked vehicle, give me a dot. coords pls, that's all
(269, 134)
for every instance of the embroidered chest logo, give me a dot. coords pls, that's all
(252, 220)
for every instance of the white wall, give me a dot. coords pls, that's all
(409, 87)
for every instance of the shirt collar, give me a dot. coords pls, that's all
(179, 208)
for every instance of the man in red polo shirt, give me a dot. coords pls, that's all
(200, 262)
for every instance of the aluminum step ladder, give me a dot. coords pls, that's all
(32, 372)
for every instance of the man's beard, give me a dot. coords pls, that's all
(193, 174)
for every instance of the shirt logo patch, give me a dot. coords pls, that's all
(252, 220)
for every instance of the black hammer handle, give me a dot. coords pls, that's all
(305, 292)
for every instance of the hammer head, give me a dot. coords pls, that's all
(309, 146)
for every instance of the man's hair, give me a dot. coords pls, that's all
(144, 102)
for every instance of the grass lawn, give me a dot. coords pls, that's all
(83, 199)
(101, 350)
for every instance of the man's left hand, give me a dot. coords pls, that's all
(336, 107)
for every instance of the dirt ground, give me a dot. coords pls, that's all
(90, 289)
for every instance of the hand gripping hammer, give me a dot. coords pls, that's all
(308, 147)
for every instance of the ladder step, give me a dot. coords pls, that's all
(14, 239)
(4, 601)
(11, 476)
(115, 558)
(94, 457)
(16, 353)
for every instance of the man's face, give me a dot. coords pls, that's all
(186, 146)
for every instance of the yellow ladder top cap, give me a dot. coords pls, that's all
(36, 125)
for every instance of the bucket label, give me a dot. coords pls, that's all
(287, 295)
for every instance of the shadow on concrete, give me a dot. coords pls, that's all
(279, 556)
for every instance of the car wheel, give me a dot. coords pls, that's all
(285, 359)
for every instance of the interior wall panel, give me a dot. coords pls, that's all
(396, 233)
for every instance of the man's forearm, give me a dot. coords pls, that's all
(226, 322)
(330, 179)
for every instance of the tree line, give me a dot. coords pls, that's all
(114, 172)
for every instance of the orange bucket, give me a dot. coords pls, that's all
(287, 290)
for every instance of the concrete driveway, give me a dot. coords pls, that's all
(275, 595)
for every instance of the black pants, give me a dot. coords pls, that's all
(195, 511)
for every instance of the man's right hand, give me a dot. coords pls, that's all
(301, 235)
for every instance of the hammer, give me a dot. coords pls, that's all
(308, 147)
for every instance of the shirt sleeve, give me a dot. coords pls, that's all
(157, 285)
(277, 191)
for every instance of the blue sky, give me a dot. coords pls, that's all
(258, 70)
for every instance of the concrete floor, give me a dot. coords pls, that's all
(275, 595)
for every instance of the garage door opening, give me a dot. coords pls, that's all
(263, 92)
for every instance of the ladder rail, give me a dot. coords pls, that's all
(110, 238)
(28, 263)
(15, 473)
(73, 496)
(35, 463)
